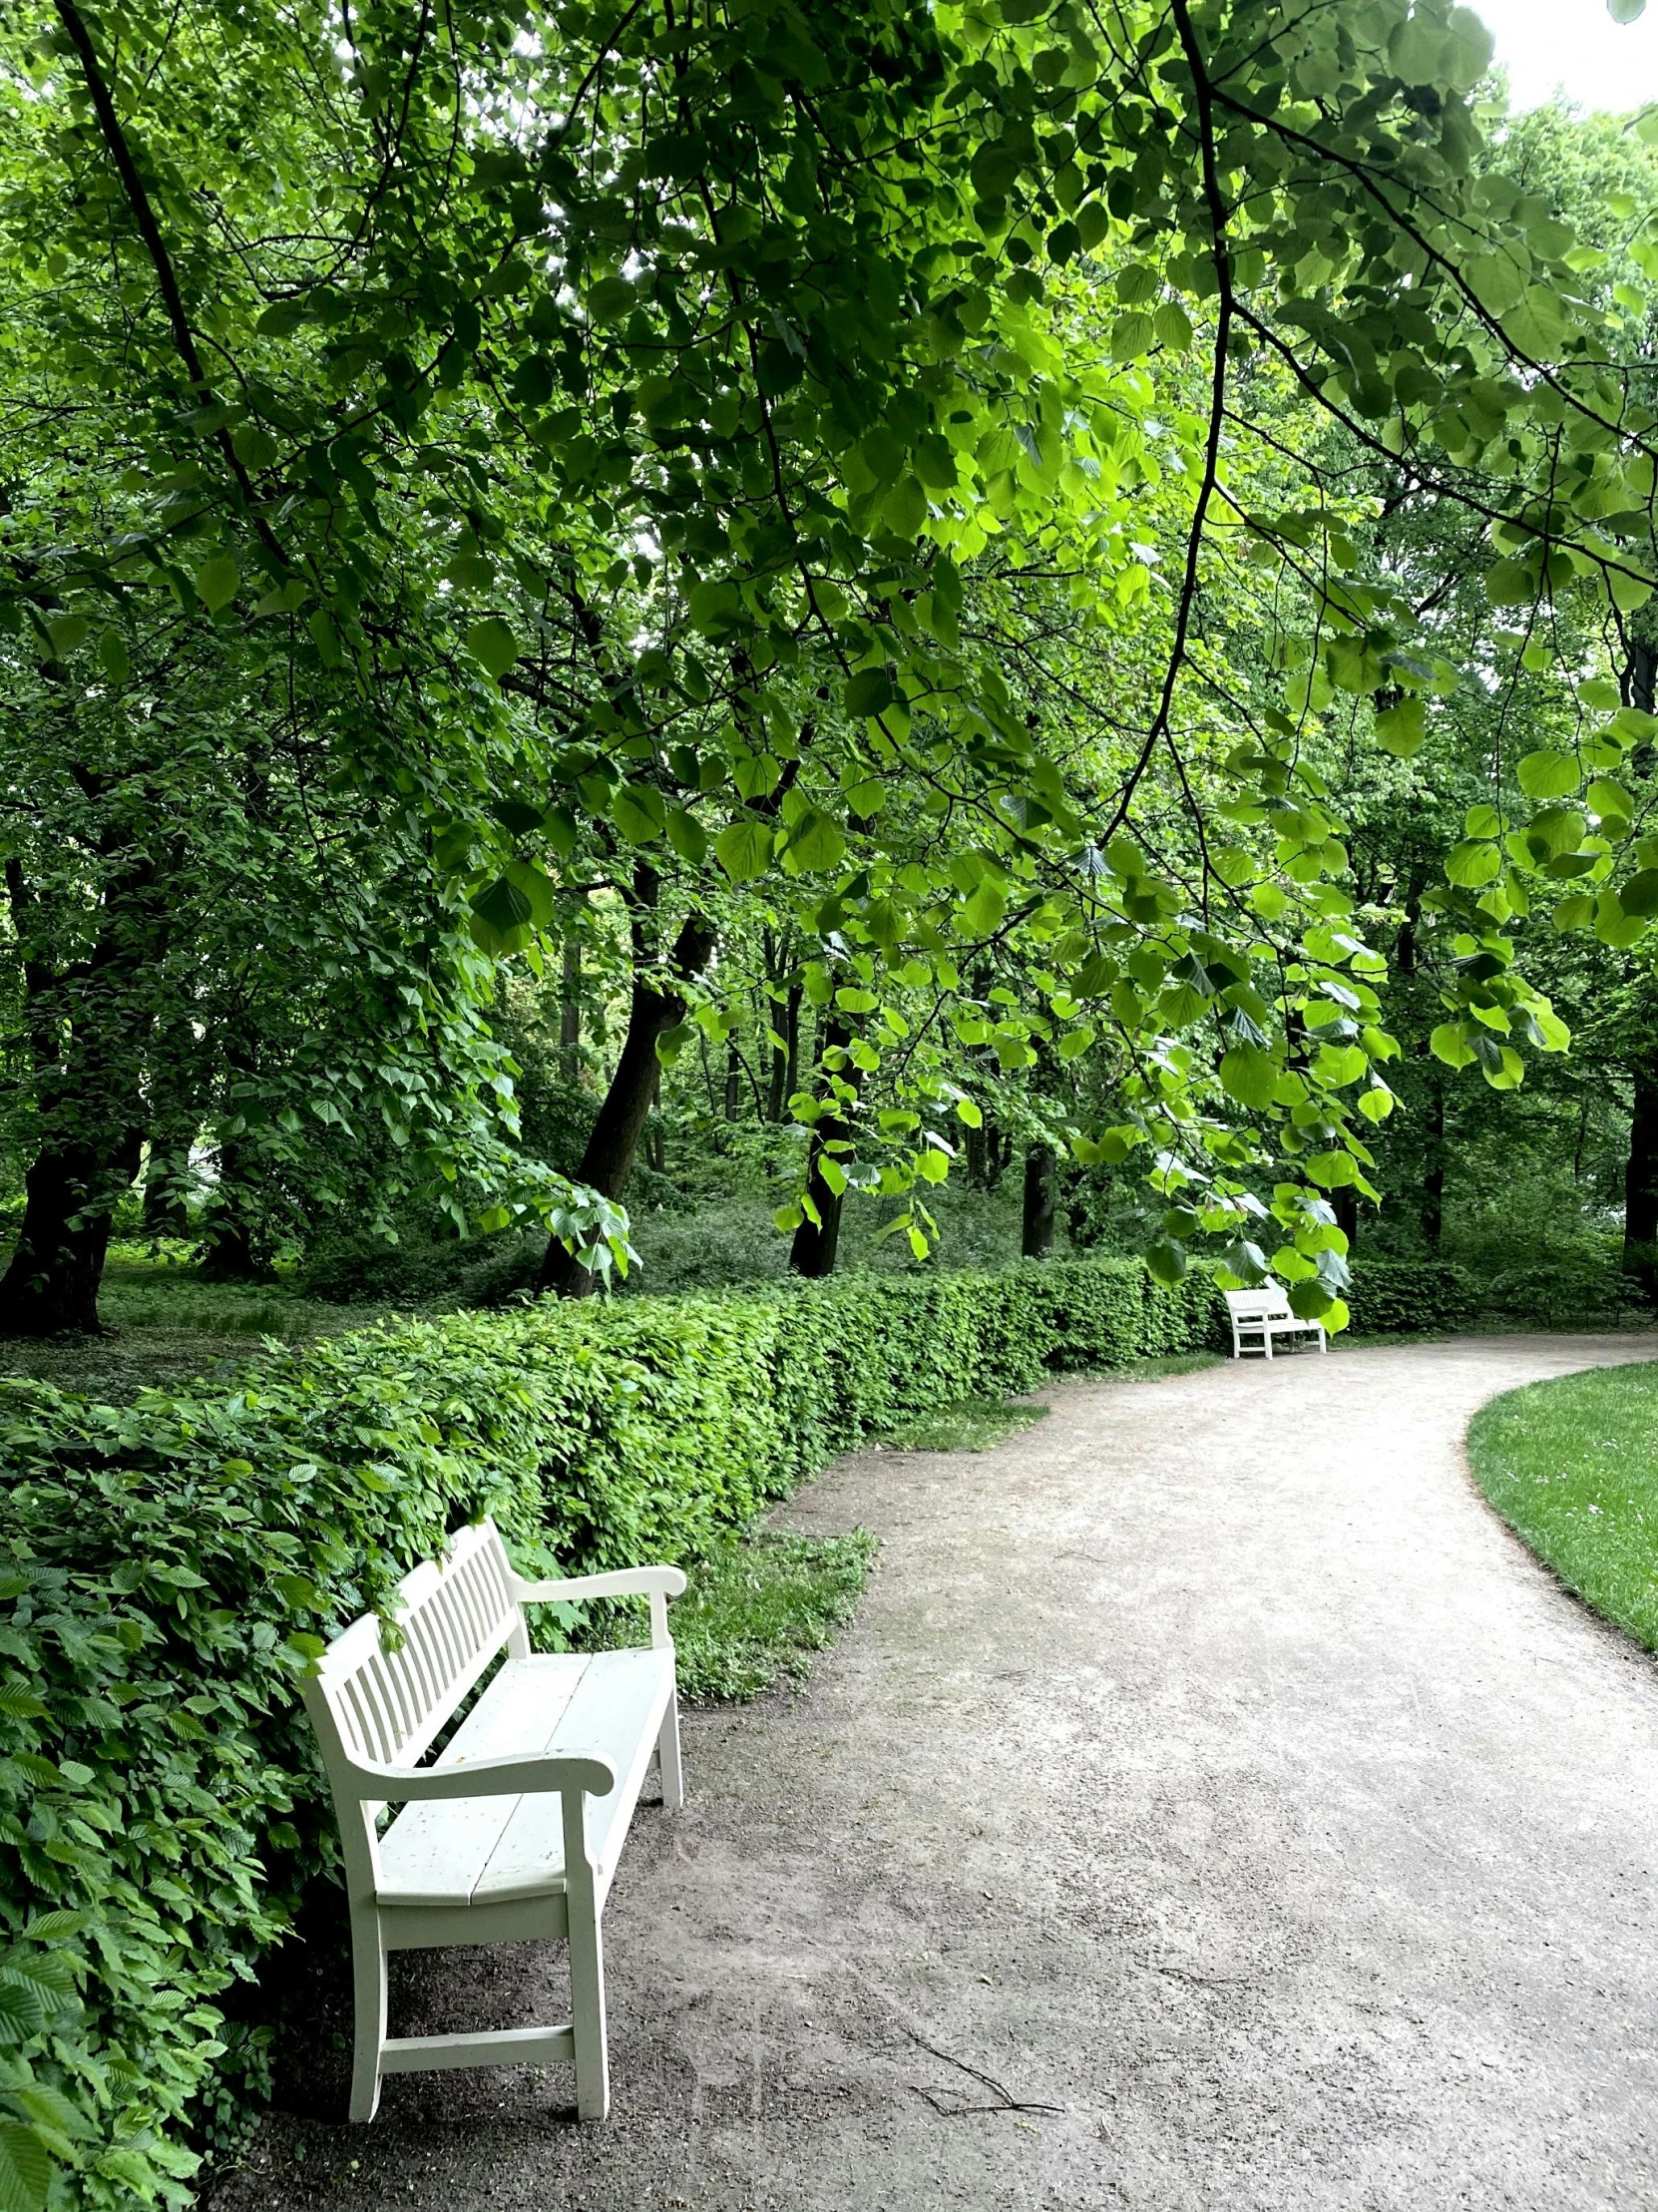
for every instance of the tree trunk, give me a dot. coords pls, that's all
(785, 1065)
(614, 1139)
(733, 1084)
(51, 1285)
(813, 1251)
(1641, 1176)
(1432, 1182)
(1037, 1234)
(88, 1029)
(1344, 1205)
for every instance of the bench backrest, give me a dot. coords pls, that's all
(1269, 1303)
(388, 1706)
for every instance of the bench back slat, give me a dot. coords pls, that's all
(389, 1708)
(1269, 1303)
(389, 1705)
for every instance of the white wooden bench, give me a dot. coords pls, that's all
(1264, 1314)
(514, 1830)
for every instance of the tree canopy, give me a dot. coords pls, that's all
(928, 486)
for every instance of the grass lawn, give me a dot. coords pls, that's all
(1572, 1467)
(760, 1608)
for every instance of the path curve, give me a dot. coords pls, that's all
(1208, 1763)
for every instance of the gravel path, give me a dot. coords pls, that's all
(1209, 1768)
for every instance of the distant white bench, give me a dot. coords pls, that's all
(514, 1832)
(1263, 1314)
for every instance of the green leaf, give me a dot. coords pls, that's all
(217, 582)
(325, 637)
(817, 843)
(538, 890)
(492, 644)
(1402, 729)
(639, 812)
(1549, 775)
(1133, 335)
(282, 320)
(1167, 1261)
(1249, 1075)
(22, 2010)
(688, 836)
(25, 2168)
(111, 656)
(869, 692)
(1625, 11)
(904, 510)
(714, 608)
(743, 850)
(1639, 896)
(1472, 863)
(68, 635)
(1446, 1044)
(1510, 583)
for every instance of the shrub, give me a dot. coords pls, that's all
(1390, 1297)
(170, 1567)
(1568, 1286)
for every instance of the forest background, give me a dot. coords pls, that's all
(1028, 635)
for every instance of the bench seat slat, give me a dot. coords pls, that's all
(434, 1853)
(495, 1850)
(619, 1705)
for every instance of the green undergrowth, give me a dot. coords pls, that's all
(759, 1609)
(971, 1425)
(1572, 1467)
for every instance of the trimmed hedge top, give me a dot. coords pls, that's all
(167, 1569)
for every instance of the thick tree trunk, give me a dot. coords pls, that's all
(816, 1243)
(1037, 1234)
(88, 1029)
(51, 1285)
(614, 1139)
(1641, 1176)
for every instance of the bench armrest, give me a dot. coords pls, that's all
(622, 1581)
(658, 1584)
(512, 1777)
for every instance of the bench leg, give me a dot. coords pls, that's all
(368, 1973)
(667, 1755)
(587, 2013)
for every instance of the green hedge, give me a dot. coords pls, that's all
(167, 1569)
(1391, 1297)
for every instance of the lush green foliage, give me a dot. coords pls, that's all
(1401, 1296)
(170, 1566)
(834, 477)
(1572, 1467)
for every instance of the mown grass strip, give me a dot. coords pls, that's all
(1572, 1467)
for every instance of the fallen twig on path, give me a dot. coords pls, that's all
(1006, 2100)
